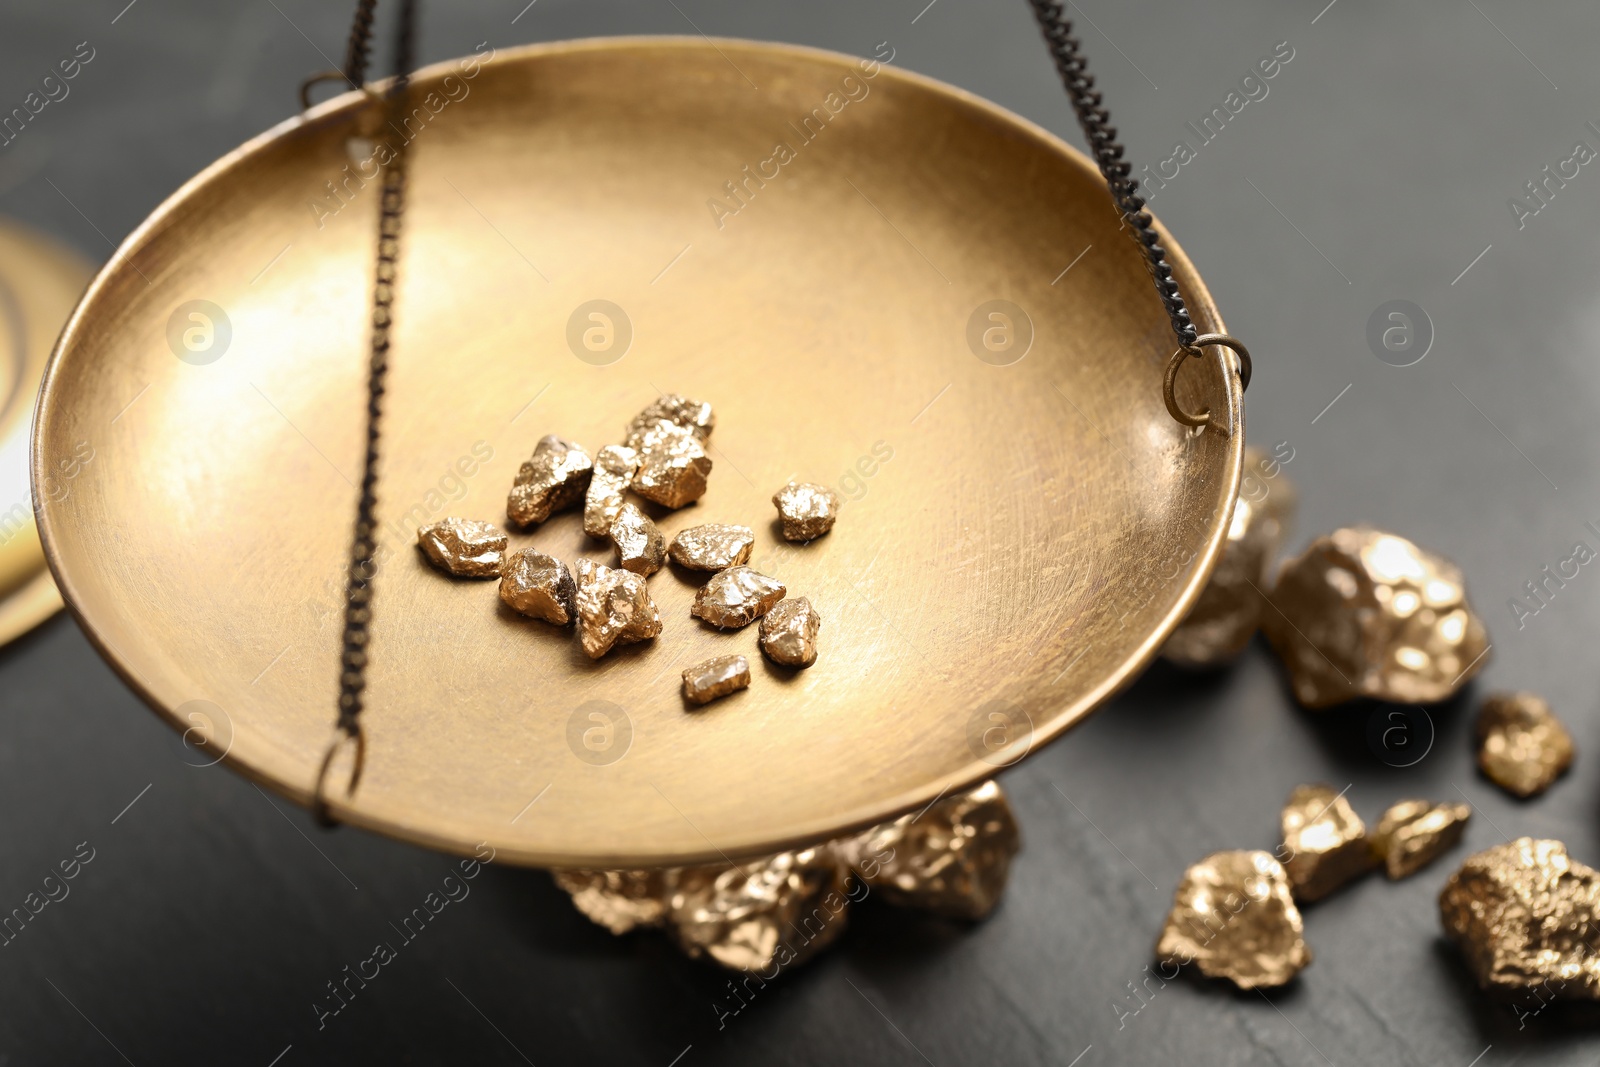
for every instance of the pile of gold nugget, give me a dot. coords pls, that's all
(662, 460)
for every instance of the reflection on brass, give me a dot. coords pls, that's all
(1522, 746)
(614, 467)
(618, 900)
(672, 466)
(538, 585)
(641, 546)
(712, 547)
(1524, 915)
(705, 682)
(774, 911)
(1226, 616)
(806, 510)
(553, 479)
(466, 548)
(1365, 613)
(736, 597)
(1111, 510)
(789, 633)
(952, 859)
(1233, 916)
(1414, 833)
(614, 607)
(680, 410)
(1325, 842)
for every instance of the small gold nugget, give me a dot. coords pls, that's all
(614, 468)
(1414, 833)
(736, 597)
(1524, 916)
(789, 633)
(712, 547)
(614, 607)
(680, 410)
(807, 510)
(466, 548)
(641, 547)
(618, 900)
(553, 479)
(705, 682)
(953, 858)
(672, 466)
(1326, 841)
(778, 910)
(538, 585)
(1363, 613)
(1522, 746)
(1233, 915)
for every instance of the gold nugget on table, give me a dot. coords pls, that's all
(1234, 917)
(765, 913)
(613, 607)
(673, 466)
(789, 633)
(1414, 833)
(1524, 915)
(641, 546)
(539, 586)
(1522, 746)
(1221, 623)
(692, 415)
(705, 682)
(465, 548)
(714, 546)
(614, 468)
(1368, 614)
(1326, 842)
(736, 597)
(618, 900)
(806, 510)
(555, 478)
(952, 859)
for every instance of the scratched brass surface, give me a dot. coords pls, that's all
(1028, 534)
(40, 281)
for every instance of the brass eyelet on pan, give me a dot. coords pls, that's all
(1169, 386)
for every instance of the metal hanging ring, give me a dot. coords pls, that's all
(1169, 389)
(319, 796)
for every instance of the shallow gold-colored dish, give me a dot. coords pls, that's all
(1017, 540)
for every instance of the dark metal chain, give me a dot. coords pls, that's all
(359, 48)
(364, 544)
(1095, 120)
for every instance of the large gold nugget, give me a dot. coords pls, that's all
(1233, 915)
(705, 682)
(692, 415)
(952, 859)
(1226, 616)
(614, 468)
(1326, 842)
(806, 510)
(1522, 746)
(553, 479)
(641, 546)
(672, 466)
(618, 900)
(736, 597)
(712, 547)
(1367, 614)
(789, 633)
(538, 585)
(1414, 833)
(614, 607)
(1524, 916)
(466, 548)
(763, 915)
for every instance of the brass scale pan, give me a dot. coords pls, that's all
(1018, 537)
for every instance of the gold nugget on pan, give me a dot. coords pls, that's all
(463, 547)
(554, 478)
(714, 546)
(736, 597)
(538, 586)
(789, 633)
(614, 468)
(715, 678)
